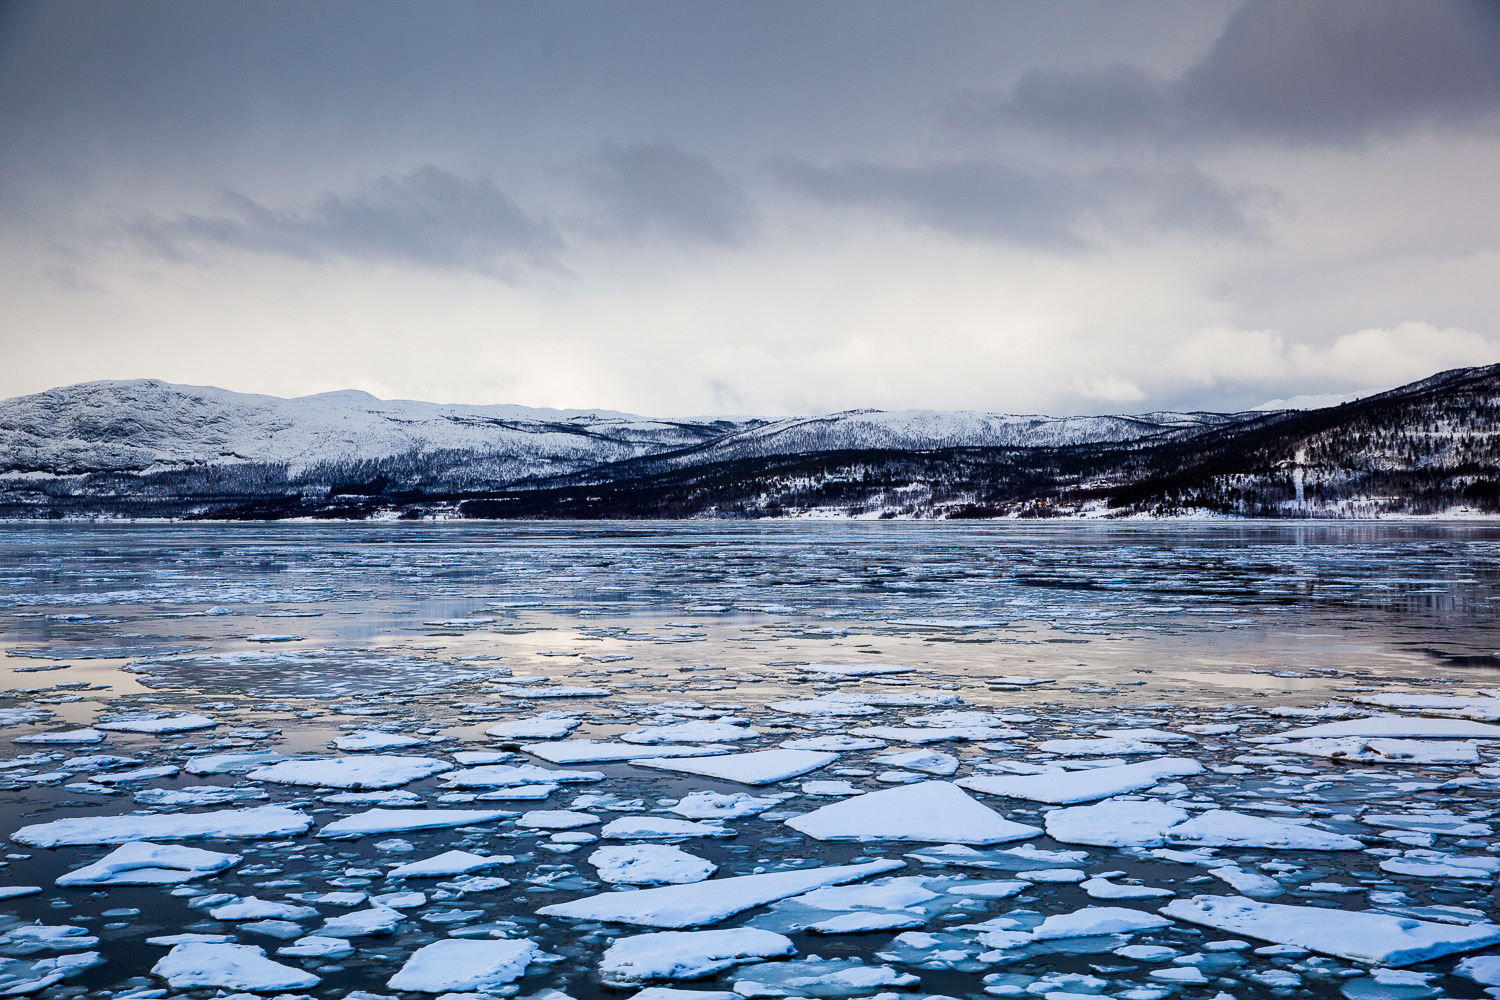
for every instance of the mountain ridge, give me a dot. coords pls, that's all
(150, 448)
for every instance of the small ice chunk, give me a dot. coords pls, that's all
(230, 966)
(865, 922)
(927, 761)
(142, 863)
(650, 864)
(1358, 935)
(1245, 882)
(555, 819)
(453, 965)
(254, 908)
(317, 946)
(231, 763)
(936, 811)
(375, 919)
(674, 955)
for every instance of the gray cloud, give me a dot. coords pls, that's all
(429, 217)
(1288, 70)
(656, 189)
(1048, 209)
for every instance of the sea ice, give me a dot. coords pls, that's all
(759, 767)
(503, 775)
(640, 958)
(448, 863)
(402, 820)
(142, 863)
(700, 903)
(375, 771)
(817, 977)
(715, 805)
(1389, 726)
(1092, 921)
(1086, 785)
(158, 724)
(650, 864)
(67, 736)
(229, 966)
(936, 811)
(226, 824)
(1115, 823)
(595, 752)
(548, 726)
(1223, 828)
(1358, 935)
(691, 732)
(375, 740)
(454, 965)
(660, 828)
(1379, 750)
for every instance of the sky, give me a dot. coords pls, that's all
(765, 207)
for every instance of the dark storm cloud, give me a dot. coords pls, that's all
(429, 218)
(655, 189)
(1048, 209)
(1287, 70)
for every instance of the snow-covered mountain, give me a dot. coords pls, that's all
(147, 426)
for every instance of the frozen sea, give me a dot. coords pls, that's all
(966, 760)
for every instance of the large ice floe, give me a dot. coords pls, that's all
(928, 811)
(257, 822)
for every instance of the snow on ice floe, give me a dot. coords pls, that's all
(1397, 726)
(1067, 787)
(593, 751)
(555, 819)
(404, 820)
(448, 863)
(229, 966)
(19, 976)
(547, 726)
(257, 822)
(1224, 828)
(716, 805)
(673, 955)
(65, 736)
(817, 977)
(702, 903)
(660, 828)
(759, 767)
(933, 734)
(835, 743)
(1384, 750)
(698, 731)
(1358, 935)
(158, 724)
(372, 772)
(142, 863)
(237, 762)
(515, 775)
(936, 811)
(1125, 823)
(1092, 921)
(650, 864)
(455, 965)
(376, 740)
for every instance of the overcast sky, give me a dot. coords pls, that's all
(752, 207)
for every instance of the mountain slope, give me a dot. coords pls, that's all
(147, 447)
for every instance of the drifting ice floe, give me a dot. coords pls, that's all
(650, 864)
(259, 822)
(935, 811)
(760, 767)
(678, 906)
(403, 820)
(1362, 936)
(592, 752)
(1067, 787)
(372, 772)
(158, 724)
(548, 726)
(686, 954)
(230, 966)
(448, 863)
(450, 966)
(140, 863)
